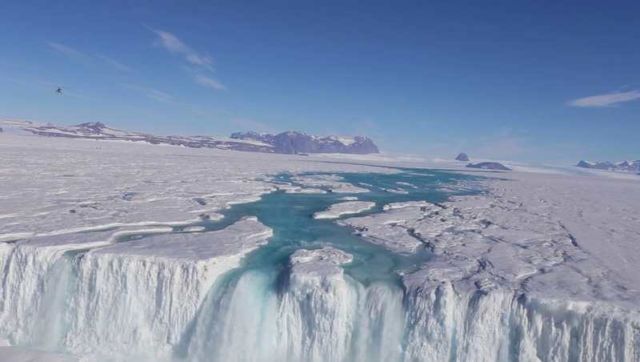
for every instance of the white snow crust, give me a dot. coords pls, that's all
(344, 208)
(332, 183)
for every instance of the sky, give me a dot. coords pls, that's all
(535, 81)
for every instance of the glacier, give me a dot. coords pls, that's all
(69, 296)
(224, 261)
(312, 312)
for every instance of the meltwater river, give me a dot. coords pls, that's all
(68, 299)
(255, 313)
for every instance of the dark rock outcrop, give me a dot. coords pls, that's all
(286, 142)
(99, 131)
(297, 142)
(489, 166)
(584, 164)
(624, 166)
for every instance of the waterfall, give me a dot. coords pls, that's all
(100, 304)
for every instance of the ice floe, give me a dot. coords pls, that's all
(344, 208)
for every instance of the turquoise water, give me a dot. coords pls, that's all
(240, 307)
(290, 215)
(243, 303)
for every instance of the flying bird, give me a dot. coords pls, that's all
(59, 90)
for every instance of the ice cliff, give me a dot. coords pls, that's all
(105, 304)
(115, 300)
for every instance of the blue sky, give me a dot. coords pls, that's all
(548, 81)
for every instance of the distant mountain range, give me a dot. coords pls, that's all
(296, 142)
(285, 142)
(624, 166)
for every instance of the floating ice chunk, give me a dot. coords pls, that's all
(406, 184)
(306, 190)
(344, 208)
(311, 191)
(396, 191)
(389, 228)
(291, 189)
(194, 229)
(414, 204)
(333, 183)
(395, 238)
(319, 261)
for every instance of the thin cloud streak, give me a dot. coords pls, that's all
(174, 45)
(209, 82)
(114, 63)
(85, 58)
(152, 93)
(201, 64)
(606, 100)
(67, 51)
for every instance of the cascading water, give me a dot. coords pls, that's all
(315, 292)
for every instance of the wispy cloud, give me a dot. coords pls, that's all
(606, 100)
(82, 57)
(174, 45)
(67, 51)
(199, 64)
(152, 93)
(209, 82)
(114, 63)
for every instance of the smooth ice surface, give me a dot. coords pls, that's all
(115, 251)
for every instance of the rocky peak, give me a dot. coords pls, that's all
(293, 142)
